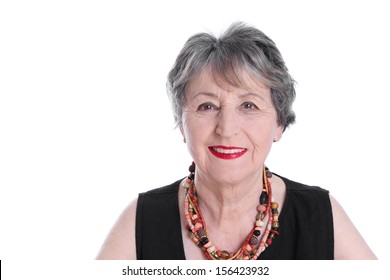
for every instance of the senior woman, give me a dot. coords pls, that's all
(232, 98)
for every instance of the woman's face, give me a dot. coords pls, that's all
(229, 131)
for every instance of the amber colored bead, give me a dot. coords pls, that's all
(274, 205)
(215, 255)
(275, 224)
(224, 255)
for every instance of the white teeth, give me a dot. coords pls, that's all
(230, 151)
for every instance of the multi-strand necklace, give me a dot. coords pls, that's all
(252, 246)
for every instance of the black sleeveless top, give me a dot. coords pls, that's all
(306, 225)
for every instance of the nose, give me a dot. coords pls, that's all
(227, 123)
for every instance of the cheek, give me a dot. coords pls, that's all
(192, 131)
(194, 127)
(261, 135)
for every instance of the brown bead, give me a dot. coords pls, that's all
(274, 205)
(224, 255)
(191, 168)
(254, 240)
(201, 232)
(268, 174)
(259, 216)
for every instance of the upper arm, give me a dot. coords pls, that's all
(348, 243)
(120, 243)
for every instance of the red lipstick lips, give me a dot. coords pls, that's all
(224, 152)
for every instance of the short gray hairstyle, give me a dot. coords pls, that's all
(240, 47)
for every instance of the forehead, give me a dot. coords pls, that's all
(235, 81)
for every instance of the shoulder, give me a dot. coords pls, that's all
(120, 242)
(168, 189)
(158, 198)
(349, 244)
(313, 202)
(293, 186)
(300, 194)
(308, 202)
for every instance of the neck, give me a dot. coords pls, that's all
(226, 201)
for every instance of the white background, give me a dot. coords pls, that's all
(85, 123)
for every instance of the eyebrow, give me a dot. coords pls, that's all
(210, 94)
(241, 96)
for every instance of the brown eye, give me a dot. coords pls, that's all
(249, 106)
(207, 107)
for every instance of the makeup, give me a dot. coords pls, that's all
(224, 152)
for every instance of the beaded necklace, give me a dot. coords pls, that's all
(252, 246)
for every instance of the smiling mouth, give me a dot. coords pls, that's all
(224, 152)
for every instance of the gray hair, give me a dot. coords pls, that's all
(240, 47)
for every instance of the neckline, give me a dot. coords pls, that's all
(178, 217)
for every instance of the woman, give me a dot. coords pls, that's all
(232, 98)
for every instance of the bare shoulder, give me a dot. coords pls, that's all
(348, 243)
(120, 242)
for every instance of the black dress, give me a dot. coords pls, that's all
(306, 225)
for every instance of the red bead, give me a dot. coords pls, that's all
(261, 208)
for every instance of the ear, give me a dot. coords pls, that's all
(278, 133)
(182, 133)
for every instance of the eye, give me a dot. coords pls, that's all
(249, 106)
(207, 107)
